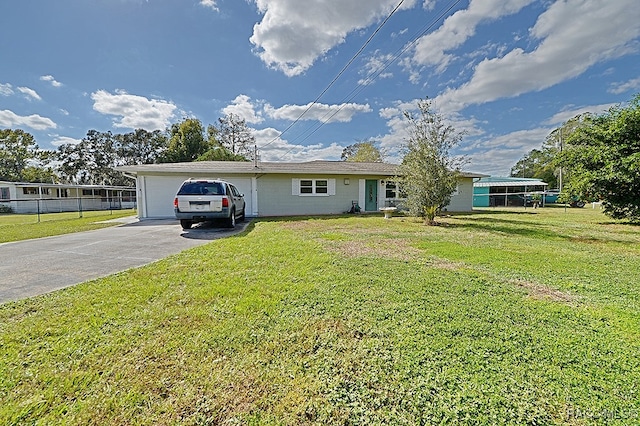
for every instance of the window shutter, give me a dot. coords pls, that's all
(332, 186)
(295, 186)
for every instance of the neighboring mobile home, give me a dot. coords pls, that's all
(284, 189)
(27, 197)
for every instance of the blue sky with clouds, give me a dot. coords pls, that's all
(506, 72)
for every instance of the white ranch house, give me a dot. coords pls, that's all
(284, 189)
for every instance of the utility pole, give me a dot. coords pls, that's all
(560, 174)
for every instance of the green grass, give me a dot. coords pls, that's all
(501, 317)
(16, 227)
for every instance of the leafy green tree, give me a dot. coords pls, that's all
(91, 161)
(17, 149)
(362, 152)
(603, 156)
(39, 174)
(429, 172)
(541, 163)
(187, 142)
(140, 146)
(537, 164)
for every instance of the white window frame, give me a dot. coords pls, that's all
(296, 187)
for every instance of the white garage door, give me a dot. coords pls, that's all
(159, 192)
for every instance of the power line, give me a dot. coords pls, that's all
(342, 71)
(380, 70)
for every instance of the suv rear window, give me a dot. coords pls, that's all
(201, 188)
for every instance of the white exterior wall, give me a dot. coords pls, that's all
(462, 201)
(157, 192)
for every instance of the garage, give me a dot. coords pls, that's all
(157, 192)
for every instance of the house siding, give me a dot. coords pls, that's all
(462, 201)
(275, 196)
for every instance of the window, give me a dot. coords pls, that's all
(394, 191)
(62, 192)
(5, 194)
(313, 187)
(87, 192)
(30, 190)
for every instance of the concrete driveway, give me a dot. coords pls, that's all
(40, 266)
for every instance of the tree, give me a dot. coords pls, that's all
(362, 152)
(140, 146)
(537, 164)
(91, 161)
(233, 134)
(429, 172)
(217, 151)
(17, 148)
(603, 156)
(541, 163)
(186, 142)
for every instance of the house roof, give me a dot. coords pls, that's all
(508, 181)
(65, 185)
(246, 167)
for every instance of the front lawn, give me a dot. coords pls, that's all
(499, 317)
(16, 227)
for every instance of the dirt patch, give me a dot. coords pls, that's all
(381, 248)
(542, 292)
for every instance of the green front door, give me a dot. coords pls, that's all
(371, 195)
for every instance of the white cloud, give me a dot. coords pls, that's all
(136, 112)
(496, 155)
(51, 80)
(10, 119)
(321, 112)
(374, 68)
(574, 34)
(618, 88)
(458, 28)
(29, 93)
(244, 108)
(273, 148)
(64, 140)
(210, 4)
(567, 114)
(294, 33)
(6, 89)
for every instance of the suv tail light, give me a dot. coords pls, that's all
(225, 202)
(175, 202)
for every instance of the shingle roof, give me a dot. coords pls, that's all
(245, 167)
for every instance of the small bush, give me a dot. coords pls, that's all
(6, 209)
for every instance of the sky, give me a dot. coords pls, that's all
(311, 77)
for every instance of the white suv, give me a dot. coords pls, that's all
(200, 200)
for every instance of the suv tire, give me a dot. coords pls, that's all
(231, 221)
(186, 224)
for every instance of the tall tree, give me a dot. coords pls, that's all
(187, 142)
(17, 149)
(91, 161)
(217, 151)
(140, 146)
(541, 163)
(429, 171)
(362, 152)
(537, 164)
(603, 156)
(233, 134)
